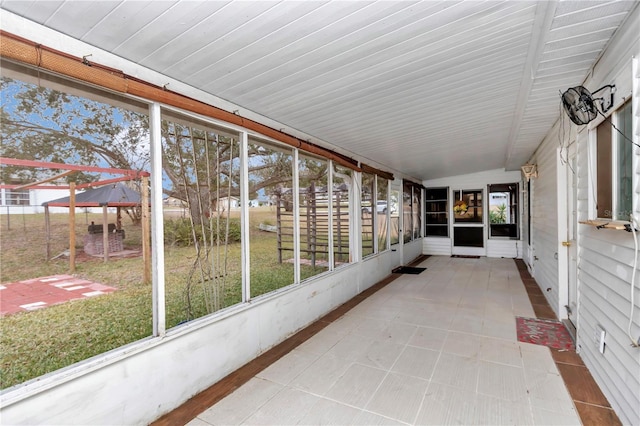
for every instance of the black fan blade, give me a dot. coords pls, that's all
(578, 103)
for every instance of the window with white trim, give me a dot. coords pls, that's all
(614, 171)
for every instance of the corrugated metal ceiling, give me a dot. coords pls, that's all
(429, 88)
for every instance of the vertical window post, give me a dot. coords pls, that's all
(244, 215)
(157, 221)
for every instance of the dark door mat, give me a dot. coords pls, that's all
(408, 270)
(548, 333)
(462, 256)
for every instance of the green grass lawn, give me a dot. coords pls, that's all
(41, 341)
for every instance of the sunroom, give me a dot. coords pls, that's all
(301, 156)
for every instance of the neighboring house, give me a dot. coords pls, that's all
(29, 201)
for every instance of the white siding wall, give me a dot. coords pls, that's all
(437, 246)
(494, 247)
(605, 256)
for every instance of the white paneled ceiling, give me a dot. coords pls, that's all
(430, 88)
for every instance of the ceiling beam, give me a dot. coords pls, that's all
(545, 13)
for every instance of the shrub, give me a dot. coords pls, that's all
(179, 232)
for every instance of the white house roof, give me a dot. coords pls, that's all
(429, 88)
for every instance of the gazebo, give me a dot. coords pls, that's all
(112, 195)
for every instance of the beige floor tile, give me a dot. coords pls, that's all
(537, 357)
(242, 403)
(445, 405)
(467, 324)
(501, 351)
(428, 338)
(351, 347)
(464, 344)
(366, 418)
(417, 362)
(198, 422)
(550, 418)
(357, 385)
(457, 371)
(502, 382)
(321, 375)
(548, 392)
(494, 411)
(287, 407)
(398, 397)
(288, 367)
(327, 412)
(380, 354)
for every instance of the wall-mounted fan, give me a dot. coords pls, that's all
(582, 107)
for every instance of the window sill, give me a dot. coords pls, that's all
(608, 224)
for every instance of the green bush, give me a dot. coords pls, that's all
(178, 232)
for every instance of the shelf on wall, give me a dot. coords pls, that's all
(608, 224)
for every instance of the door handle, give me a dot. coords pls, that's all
(566, 243)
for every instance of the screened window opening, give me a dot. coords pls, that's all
(314, 215)
(383, 209)
(407, 211)
(394, 216)
(614, 172)
(203, 254)
(342, 187)
(503, 210)
(271, 225)
(437, 212)
(467, 206)
(368, 213)
(49, 119)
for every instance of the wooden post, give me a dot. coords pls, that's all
(72, 227)
(105, 233)
(119, 219)
(47, 230)
(146, 232)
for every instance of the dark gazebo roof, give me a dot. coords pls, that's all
(112, 195)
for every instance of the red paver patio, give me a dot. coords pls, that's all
(38, 293)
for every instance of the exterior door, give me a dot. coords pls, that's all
(572, 234)
(468, 236)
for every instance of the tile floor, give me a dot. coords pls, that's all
(434, 348)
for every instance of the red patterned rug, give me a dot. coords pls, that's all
(544, 332)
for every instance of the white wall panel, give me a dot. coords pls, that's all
(436, 246)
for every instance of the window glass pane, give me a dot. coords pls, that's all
(416, 212)
(271, 260)
(203, 265)
(16, 197)
(437, 212)
(407, 216)
(342, 184)
(467, 206)
(75, 125)
(624, 206)
(368, 209)
(382, 210)
(394, 217)
(603, 174)
(314, 216)
(503, 210)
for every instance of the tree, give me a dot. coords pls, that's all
(499, 215)
(200, 164)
